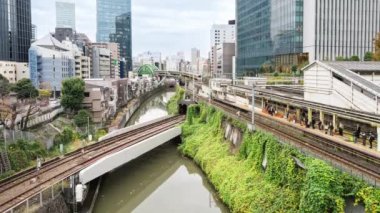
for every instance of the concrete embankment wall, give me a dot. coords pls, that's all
(127, 112)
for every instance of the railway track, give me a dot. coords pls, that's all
(366, 163)
(15, 190)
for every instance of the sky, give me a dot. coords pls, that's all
(166, 26)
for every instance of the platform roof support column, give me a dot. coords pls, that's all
(335, 121)
(262, 103)
(322, 117)
(298, 115)
(309, 114)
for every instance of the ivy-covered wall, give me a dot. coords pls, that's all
(283, 186)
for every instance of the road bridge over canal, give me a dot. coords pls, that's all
(28, 189)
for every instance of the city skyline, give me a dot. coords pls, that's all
(156, 26)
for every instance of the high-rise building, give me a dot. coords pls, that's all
(351, 26)
(114, 23)
(293, 32)
(34, 33)
(65, 14)
(114, 49)
(195, 56)
(219, 34)
(15, 30)
(224, 60)
(123, 36)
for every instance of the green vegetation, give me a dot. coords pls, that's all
(283, 186)
(172, 105)
(4, 86)
(25, 89)
(23, 153)
(368, 56)
(72, 93)
(67, 136)
(82, 118)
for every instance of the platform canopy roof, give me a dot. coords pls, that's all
(147, 69)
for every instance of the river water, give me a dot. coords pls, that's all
(160, 181)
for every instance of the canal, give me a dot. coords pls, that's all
(161, 180)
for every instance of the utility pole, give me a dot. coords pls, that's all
(253, 128)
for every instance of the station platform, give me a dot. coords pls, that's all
(345, 139)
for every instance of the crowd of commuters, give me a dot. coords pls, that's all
(328, 128)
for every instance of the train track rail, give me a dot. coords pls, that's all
(354, 159)
(15, 190)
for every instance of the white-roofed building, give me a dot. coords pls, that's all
(352, 85)
(51, 61)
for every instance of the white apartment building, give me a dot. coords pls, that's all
(101, 63)
(51, 61)
(14, 71)
(219, 34)
(114, 49)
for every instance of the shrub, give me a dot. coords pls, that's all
(82, 118)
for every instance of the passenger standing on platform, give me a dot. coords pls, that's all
(357, 133)
(331, 129)
(341, 127)
(320, 126)
(364, 139)
(313, 123)
(326, 128)
(371, 139)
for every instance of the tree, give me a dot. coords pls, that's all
(25, 89)
(368, 56)
(354, 58)
(82, 118)
(4, 86)
(376, 56)
(72, 93)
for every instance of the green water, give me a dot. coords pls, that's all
(160, 181)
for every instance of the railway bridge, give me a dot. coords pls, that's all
(31, 189)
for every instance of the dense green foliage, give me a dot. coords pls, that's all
(82, 118)
(368, 56)
(100, 133)
(25, 89)
(67, 136)
(172, 105)
(22, 153)
(4, 86)
(72, 93)
(282, 186)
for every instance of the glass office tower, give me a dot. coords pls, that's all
(15, 30)
(65, 14)
(268, 32)
(293, 32)
(114, 18)
(123, 37)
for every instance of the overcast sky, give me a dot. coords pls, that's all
(166, 26)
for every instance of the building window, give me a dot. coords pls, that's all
(86, 94)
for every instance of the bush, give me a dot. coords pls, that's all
(19, 160)
(172, 105)
(283, 186)
(81, 119)
(67, 136)
(100, 133)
